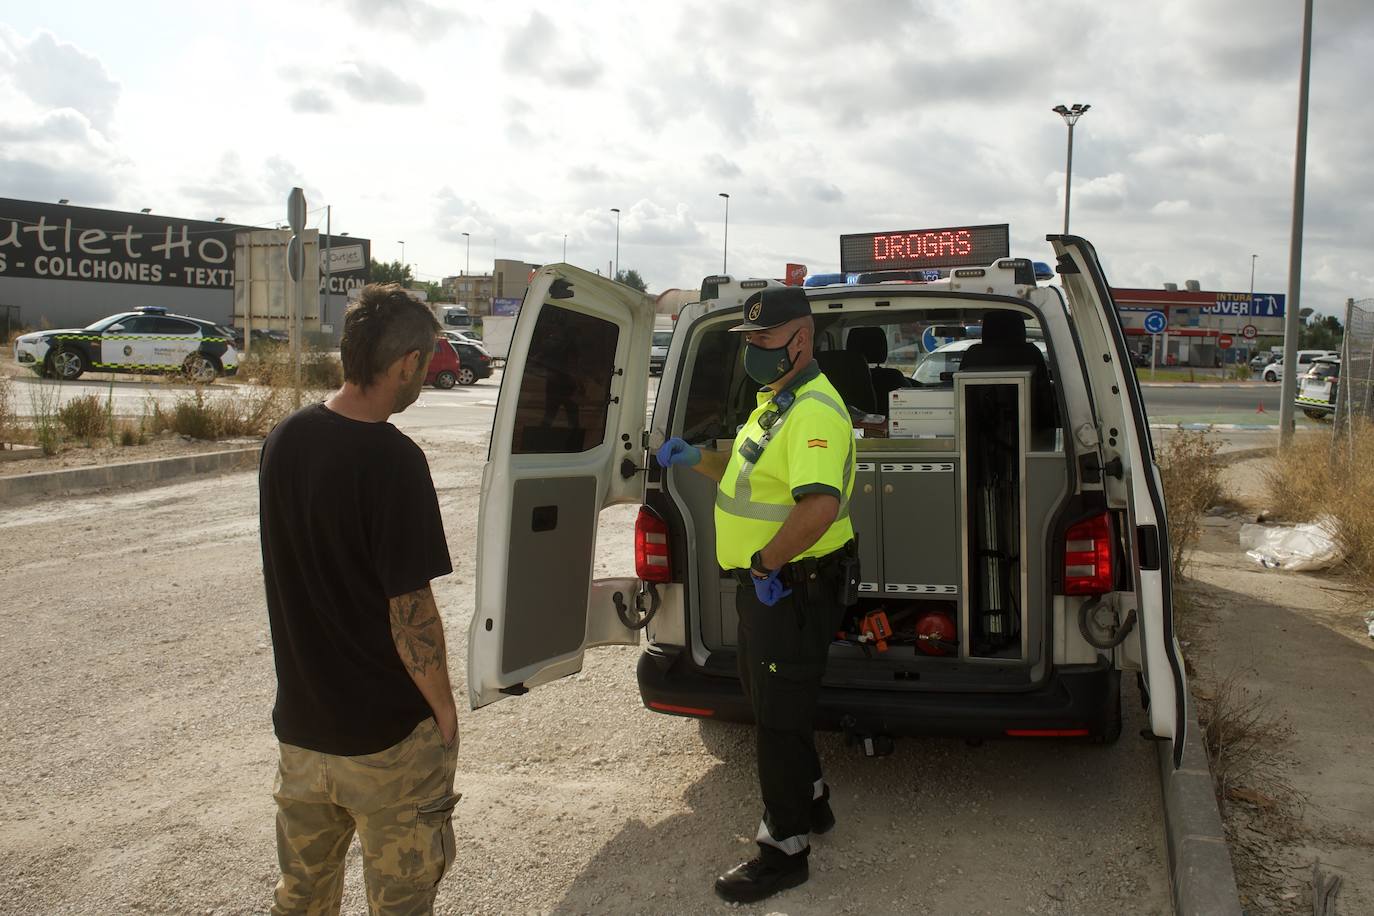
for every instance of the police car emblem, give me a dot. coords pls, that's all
(128, 351)
(755, 310)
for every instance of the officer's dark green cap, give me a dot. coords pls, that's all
(773, 306)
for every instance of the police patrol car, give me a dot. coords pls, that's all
(1010, 519)
(147, 339)
(1317, 388)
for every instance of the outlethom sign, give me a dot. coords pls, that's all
(61, 242)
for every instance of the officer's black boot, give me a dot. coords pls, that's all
(822, 818)
(762, 876)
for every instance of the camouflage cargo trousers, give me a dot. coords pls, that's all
(400, 803)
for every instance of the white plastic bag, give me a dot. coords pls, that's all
(1294, 547)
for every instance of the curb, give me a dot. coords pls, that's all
(98, 477)
(1201, 876)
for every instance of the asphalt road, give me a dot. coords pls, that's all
(1234, 403)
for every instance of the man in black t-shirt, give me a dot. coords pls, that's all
(365, 716)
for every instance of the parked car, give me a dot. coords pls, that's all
(1260, 360)
(1274, 371)
(1035, 536)
(658, 350)
(259, 336)
(145, 340)
(939, 365)
(1317, 388)
(456, 363)
(466, 337)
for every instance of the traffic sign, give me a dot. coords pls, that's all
(1224, 341)
(1249, 332)
(931, 341)
(295, 210)
(295, 258)
(1155, 322)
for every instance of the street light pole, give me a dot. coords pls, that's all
(725, 251)
(1070, 116)
(467, 260)
(1290, 319)
(565, 248)
(616, 274)
(403, 253)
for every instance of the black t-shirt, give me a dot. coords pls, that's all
(349, 520)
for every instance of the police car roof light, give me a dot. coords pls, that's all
(151, 310)
(1042, 270)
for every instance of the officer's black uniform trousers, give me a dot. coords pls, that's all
(782, 656)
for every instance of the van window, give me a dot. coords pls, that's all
(566, 389)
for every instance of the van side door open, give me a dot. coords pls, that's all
(566, 442)
(1131, 483)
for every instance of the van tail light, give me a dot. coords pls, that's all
(1088, 557)
(651, 547)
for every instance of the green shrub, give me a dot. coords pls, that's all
(47, 428)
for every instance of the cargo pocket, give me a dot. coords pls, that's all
(787, 694)
(434, 835)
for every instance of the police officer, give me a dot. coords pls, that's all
(783, 531)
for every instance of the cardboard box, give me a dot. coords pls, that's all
(922, 427)
(919, 398)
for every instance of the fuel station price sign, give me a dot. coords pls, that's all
(955, 246)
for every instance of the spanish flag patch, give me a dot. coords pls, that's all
(817, 443)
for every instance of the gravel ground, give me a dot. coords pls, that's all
(135, 694)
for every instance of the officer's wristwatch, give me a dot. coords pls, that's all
(757, 567)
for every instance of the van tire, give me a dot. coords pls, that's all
(1111, 720)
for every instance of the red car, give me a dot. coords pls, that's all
(456, 363)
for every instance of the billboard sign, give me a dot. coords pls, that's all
(1244, 305)
(505, 306)
(60, 242)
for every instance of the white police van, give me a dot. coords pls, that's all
(1009, 514)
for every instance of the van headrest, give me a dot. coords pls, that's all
(871, 342)
(1002, 327)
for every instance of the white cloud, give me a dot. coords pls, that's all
(1171, 207)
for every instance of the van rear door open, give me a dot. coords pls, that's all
(1131, 482)
(566, 442)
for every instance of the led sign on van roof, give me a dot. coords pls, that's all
(956, 246)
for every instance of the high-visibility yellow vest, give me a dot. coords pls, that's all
(809, 448)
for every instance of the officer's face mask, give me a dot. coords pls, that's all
(766, 365)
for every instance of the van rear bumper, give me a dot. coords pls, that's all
(1077, 701)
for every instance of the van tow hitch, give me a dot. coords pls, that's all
(871, 743)
(638, 618)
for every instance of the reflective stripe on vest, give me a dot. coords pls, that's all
(742, 504)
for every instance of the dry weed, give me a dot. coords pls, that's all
(221, 415)
(1244, 739)
(84, 417)
(1192, 484)
(270, 364)
(1317, 477)
(8, 419)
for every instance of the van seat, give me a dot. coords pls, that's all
(848, 372)
(872, 343)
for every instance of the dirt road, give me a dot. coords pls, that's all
(136, 685)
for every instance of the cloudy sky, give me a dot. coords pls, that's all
(519, 123)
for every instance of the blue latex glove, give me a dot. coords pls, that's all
(770, 590)
(678, 451)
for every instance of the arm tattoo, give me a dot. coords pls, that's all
(418, 632)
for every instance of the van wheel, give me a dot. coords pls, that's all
(1314, 414)
(467, 377)
(1111, 726)
(444, 379)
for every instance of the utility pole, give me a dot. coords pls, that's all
(616, 274)
(467, 261)
(1070, 116)
(1289, 388)
(328, 263)
(725, 250)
